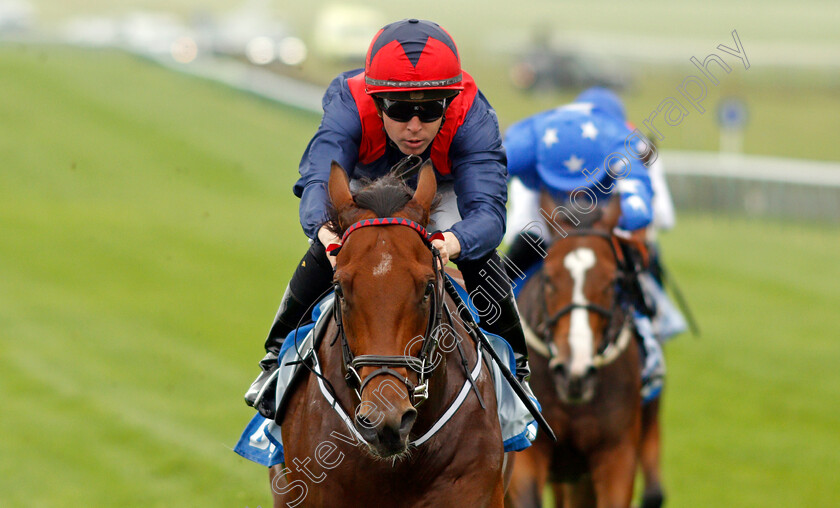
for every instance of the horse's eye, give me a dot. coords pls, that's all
(549, 287)
(338, 291)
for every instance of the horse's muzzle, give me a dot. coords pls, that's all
(386, 432)
(574, 389)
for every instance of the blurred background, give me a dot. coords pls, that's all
(148, 227)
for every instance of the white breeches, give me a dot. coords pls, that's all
(523, 211)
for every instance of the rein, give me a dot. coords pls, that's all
(420, 392)
(618, 332)
(420, 364)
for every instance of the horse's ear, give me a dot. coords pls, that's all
(339, 188)
(612, 212)
(426, 186)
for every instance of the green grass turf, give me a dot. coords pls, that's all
(751, 407)
(148, 229)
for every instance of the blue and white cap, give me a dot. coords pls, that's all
(571, 141)
(604, 100)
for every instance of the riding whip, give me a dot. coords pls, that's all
(477, 334)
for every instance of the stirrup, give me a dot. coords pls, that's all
(262, 393)
(523, 369)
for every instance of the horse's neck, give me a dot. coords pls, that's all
(529, 303)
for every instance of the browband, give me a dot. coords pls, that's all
(388, 221)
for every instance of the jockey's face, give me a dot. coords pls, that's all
(411, 137)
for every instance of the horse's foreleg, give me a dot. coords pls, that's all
(560, 495)
(528, 479)
(273, 473)
(498, 499)
(579, 494)
(507, 468)
(649, 454)
(557, 489)
(613, 472)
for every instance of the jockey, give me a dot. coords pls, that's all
(667, 320)
(411, 99)
(583, 149)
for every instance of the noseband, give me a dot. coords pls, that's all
(420, 364)
(616, 335)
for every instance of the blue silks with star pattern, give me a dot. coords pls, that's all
(579, 151)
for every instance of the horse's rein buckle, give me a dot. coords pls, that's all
(420, 394)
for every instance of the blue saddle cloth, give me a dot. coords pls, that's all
(262, 441)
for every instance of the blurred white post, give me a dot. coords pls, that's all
(732, 117)
(731, 140)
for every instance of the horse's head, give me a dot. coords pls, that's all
(386, 288)
(582, 315)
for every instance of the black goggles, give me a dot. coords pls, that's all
(403, 111)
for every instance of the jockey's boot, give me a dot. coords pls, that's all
(523, 374)
(526, 250)
(509, 326)
(312, 278)
(261, 395)
(486, 279)
(653, 360)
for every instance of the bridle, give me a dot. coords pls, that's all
(421, 364)
(616, 334)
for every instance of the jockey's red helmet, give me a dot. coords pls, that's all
(413, 56)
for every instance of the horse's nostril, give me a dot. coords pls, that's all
(407, 421)
(363, 422)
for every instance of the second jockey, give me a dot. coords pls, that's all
(587, 146)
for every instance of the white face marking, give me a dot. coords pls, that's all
(580, 333)
(384, 265)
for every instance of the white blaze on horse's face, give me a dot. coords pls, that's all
(580, 333)
(384, 265)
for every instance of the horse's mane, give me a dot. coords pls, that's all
(383, 196)
(588, 220)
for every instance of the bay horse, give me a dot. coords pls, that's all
(356, 434)
(586, 373)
